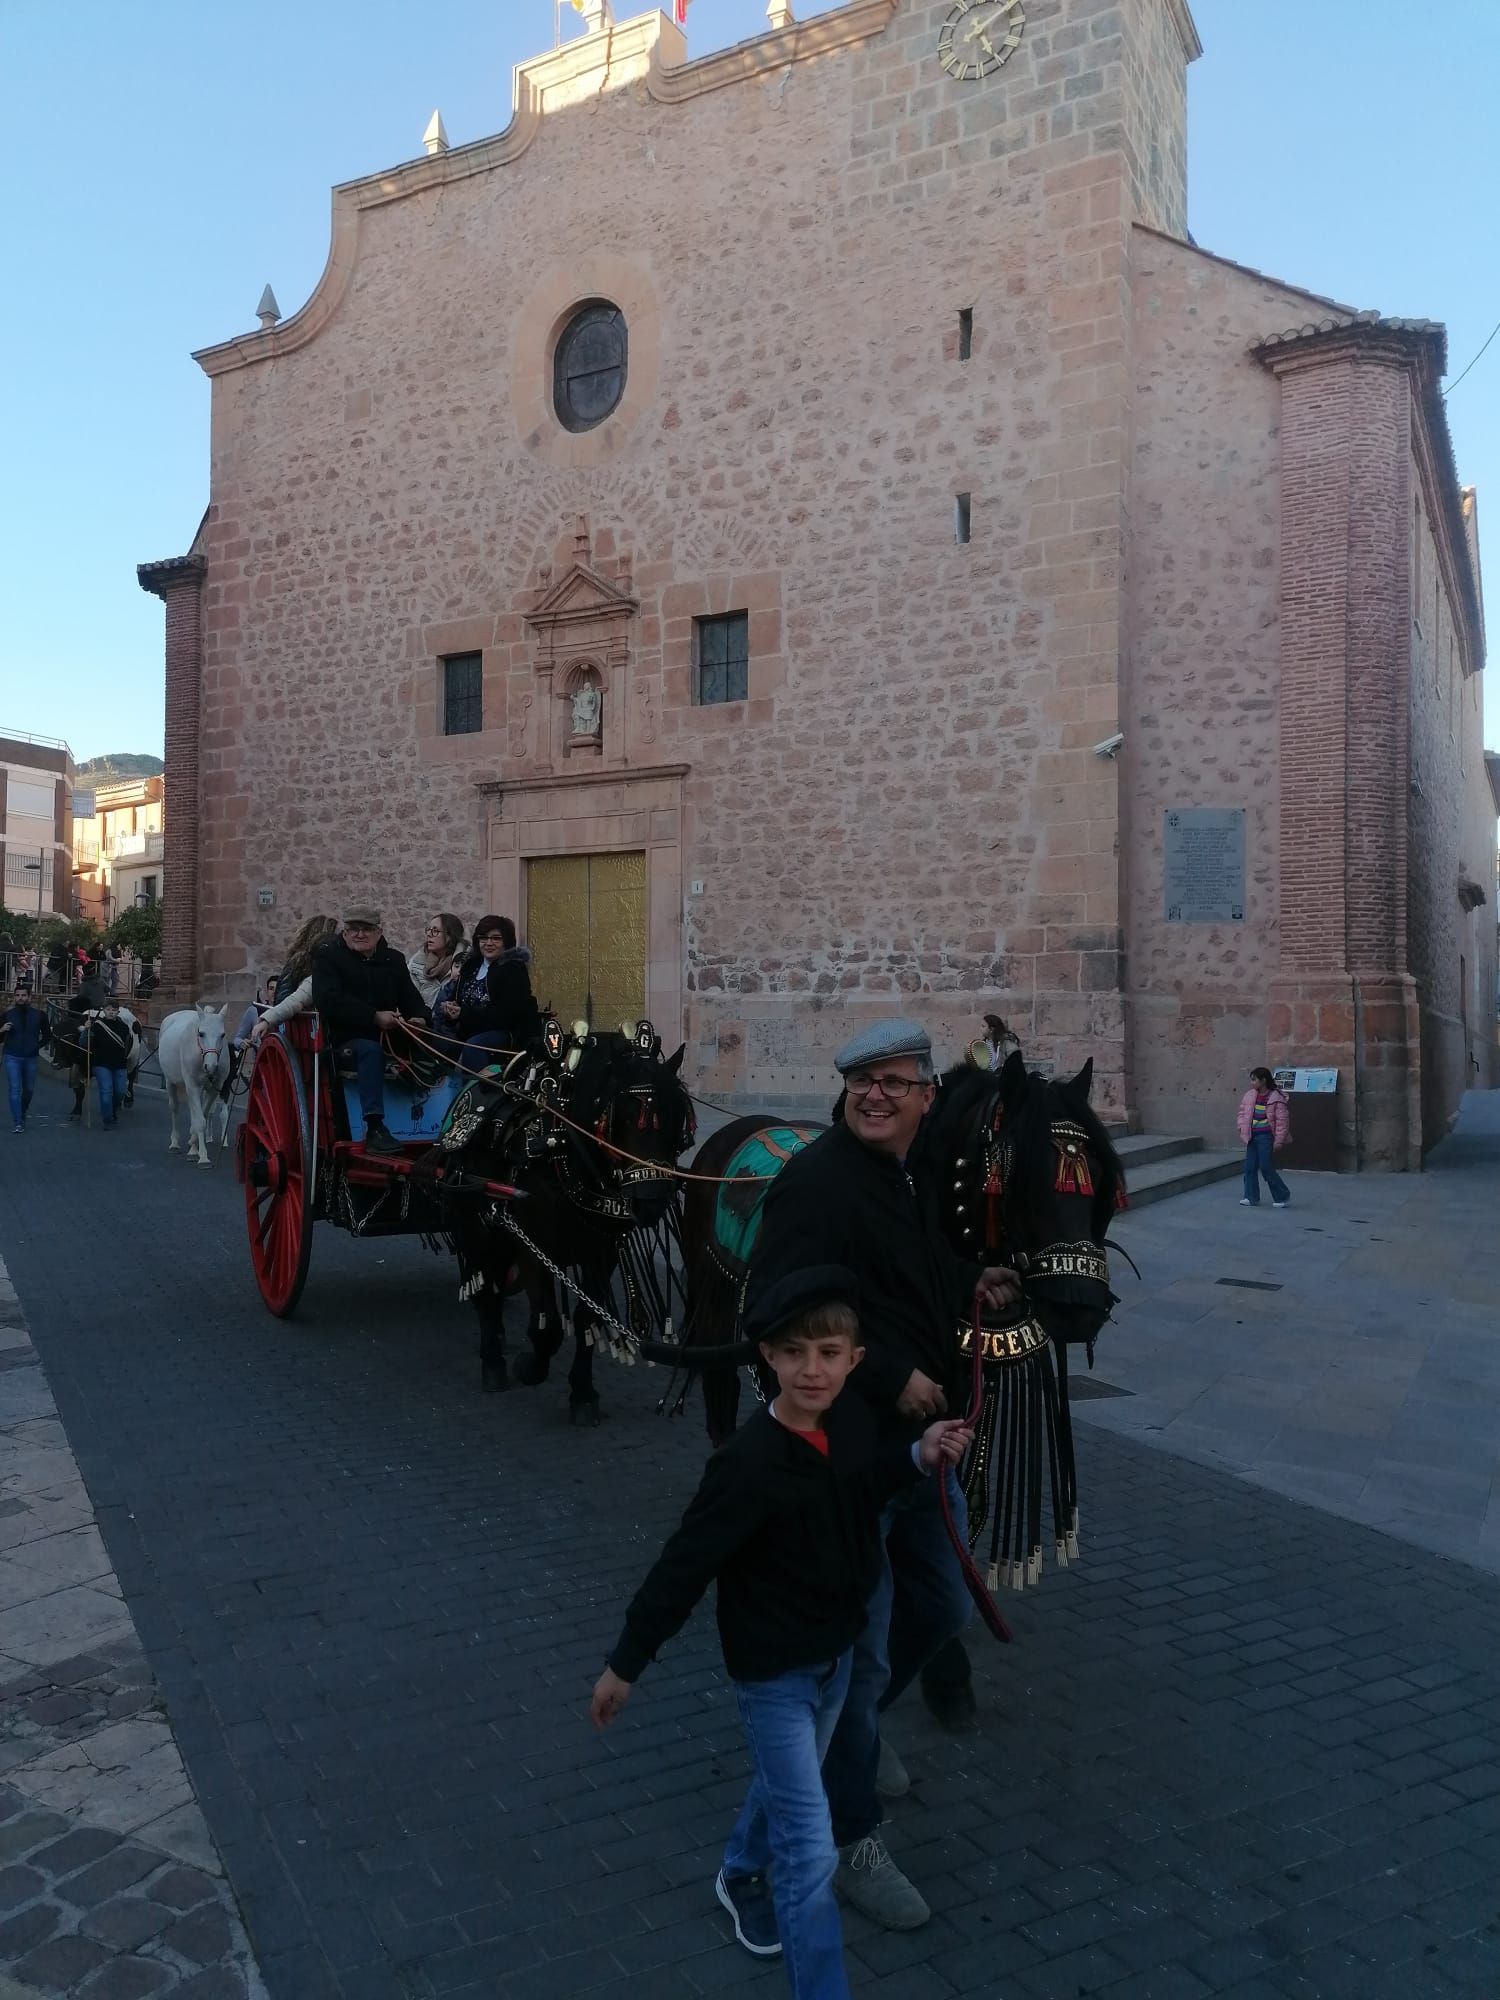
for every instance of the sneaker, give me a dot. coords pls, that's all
(1281, 1204)
(378, 1140)
(748, 1901)
(869, 1879)
(1246, 1202)
(892, 1780)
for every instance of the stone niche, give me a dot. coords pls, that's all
(581, 627)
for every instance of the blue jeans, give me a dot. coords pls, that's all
(1258, 1161)
(113, 1084)
(489, 1045)
(20, 1081)
(919, 1604)
(369, 1063)
(784, 1830)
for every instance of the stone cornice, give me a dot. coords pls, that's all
(1420, 346)
(856, 21)
(1187, 30)
(623, 774)
(174, 573)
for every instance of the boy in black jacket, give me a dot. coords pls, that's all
(787, 1519)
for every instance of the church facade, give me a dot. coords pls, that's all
(806, 532)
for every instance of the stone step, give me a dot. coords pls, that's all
(1144, 1149)
(1180, 1175)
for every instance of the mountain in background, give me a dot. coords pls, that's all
(118, 764)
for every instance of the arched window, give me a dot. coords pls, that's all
(588, 367)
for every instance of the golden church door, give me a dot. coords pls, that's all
(586, 926)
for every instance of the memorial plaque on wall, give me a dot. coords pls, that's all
(1204, 857)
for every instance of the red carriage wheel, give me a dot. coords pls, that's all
(278, 1171)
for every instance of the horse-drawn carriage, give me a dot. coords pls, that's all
(585, 1130)
(585, 1133)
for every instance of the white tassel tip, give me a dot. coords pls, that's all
(1060, 1546)
(992, 1577)
(1034, 1569)
(1072, 1545)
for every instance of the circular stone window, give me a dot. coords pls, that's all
(588, 367)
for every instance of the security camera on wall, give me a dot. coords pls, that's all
(1109, 746)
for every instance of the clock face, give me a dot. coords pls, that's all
(980, 35)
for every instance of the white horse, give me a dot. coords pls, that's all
(193, 1050)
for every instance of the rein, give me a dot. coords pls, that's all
(665, 1169)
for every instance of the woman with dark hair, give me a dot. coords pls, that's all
(488, 1004)
(442, 949)
(1265, 1126)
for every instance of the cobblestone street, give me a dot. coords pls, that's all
(1247, 1749)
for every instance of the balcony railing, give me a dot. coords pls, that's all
(136, 847)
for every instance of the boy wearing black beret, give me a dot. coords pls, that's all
(787, 1521)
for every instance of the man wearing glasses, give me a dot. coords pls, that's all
(362, 990)
(859, 1198)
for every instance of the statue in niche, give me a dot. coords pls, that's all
(588, 709)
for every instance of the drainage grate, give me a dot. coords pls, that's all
(1248, 1284)
(1086, 1388)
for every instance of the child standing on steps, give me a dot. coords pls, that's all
(787, 1519)
(1265, 1127)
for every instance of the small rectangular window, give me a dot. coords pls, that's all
(148, 888)
(960, 517)
(463, 694)
(721, 658)
(965, 333)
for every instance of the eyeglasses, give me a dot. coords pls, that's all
(362, 930)
(489, 937)
(893, 1087)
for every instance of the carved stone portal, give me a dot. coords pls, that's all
(582, 628)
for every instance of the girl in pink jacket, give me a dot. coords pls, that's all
(1265, 1127)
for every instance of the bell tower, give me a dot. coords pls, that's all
(1160, 43)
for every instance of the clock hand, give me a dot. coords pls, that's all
(978, 29)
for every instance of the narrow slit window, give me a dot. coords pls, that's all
(960, 517)
(965, 333)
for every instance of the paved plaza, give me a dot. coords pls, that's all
(1249, 1748)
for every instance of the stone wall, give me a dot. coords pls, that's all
(1200, 669)
(1452, 837)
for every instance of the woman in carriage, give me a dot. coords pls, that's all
(488, 1005)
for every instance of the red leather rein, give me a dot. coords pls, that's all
(989, 1611)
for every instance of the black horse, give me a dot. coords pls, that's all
(70, 1031)
(590, 1130)
(1029, 1178)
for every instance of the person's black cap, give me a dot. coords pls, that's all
(797, 1294)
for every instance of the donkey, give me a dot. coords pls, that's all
(193, 1050)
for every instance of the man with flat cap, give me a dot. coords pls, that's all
(859, 1196)
(362, 989)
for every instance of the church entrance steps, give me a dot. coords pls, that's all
(1159, 1164)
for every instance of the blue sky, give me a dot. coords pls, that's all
(170, 158)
